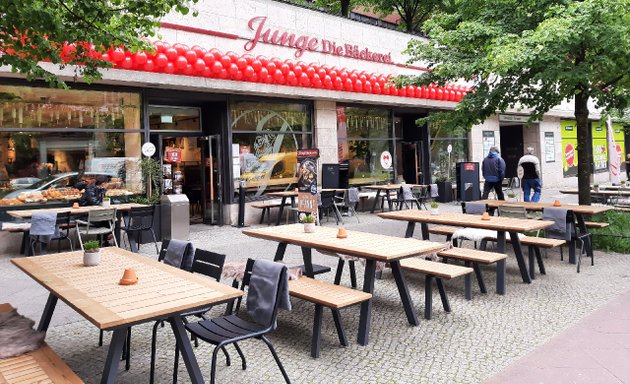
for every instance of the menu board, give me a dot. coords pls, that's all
(488, 141)
(550, 148)
(307, 182)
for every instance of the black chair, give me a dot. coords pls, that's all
(209, 264)
(230, 329)
(140, 219)
(571, 233)
(64, 224)
(327, 204)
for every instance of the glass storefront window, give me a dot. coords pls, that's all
(364, 135)
(265, 138)
(51, 139)
(163, 118)
(441, 166)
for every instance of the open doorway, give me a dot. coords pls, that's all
(411, 151)
(511, 147)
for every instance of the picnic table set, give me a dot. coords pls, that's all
(126, 289)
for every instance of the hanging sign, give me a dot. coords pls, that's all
(173, 155)
(386, 160)
(148, 149)
(307, 182)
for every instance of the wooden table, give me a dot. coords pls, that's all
(607, 194)
(94, 292)
(387, 188)
(580, 212)
(292, 194)
(26, 214)
(499, 224)
(372, 247)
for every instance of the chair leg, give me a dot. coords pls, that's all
(100, 338)
(128, 353)
(157, 250)
(213, 367)
(153, 352)
(275, 356)
(428, 297)
(240, 353)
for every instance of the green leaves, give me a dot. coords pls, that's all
(32, 31)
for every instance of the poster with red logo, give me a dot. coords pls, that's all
(569, 148)
(172, 155)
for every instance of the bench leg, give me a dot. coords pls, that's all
(403, 290)
(541, 265)
(518, 253)
(530, 254)
(445, 303)
(353, 274)
(428, 297)
(317, 331)
(425, 231)
(282, 247)
(308, 262)
(44, 321)
(479, 276)
(339, 325)
(339, 272)
(468, 287)
(501, 277)
(262, 216)
(411, 226)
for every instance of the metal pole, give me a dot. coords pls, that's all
(241, 204)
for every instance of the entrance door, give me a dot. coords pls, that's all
(213, 180)
(511, 148)
(411, 162)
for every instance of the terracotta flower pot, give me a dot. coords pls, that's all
(129, 277)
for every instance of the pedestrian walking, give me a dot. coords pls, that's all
(529, 168)
(493, 170)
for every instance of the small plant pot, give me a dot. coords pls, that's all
(435, 211)
(91, 259)
(309, 227)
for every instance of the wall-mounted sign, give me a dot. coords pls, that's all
(172, 155)
(148, 149)
(386, 160)
(550, 148)
(487, 138)
(513, 118)
(304, 43)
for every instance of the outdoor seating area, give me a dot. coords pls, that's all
(193, 304)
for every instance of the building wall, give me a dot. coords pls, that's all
(475, 142)
(325, 132)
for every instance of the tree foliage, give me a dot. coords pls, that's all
(32, 31)
(530, 55)
(413, 13)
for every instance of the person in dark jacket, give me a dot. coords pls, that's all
(529, 171)
(493, 170)
(93, 194)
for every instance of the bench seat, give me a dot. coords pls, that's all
(437, 271)
(474, 257)
(266, 210)
(40, 366)
(595, 224)
(324, 294)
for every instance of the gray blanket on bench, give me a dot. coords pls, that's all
(17, 335)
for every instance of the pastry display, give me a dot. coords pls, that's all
(6, 202)
(32, 197)
(117, 192)
(62, 193)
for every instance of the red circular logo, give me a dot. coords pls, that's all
(569, 154)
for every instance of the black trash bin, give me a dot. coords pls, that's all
(467, 177)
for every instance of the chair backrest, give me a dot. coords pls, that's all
(559, 231)
(406, 192)
(141, 218)
(515, 211)
(163, 249)
(352, 196)
(43, 224)
(515, 183)
(63, 218)
(258, 302)
(473, 208)
(247, 275)
(327, 199)
(208, 263)
(99, 215)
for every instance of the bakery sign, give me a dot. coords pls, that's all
(304, 43)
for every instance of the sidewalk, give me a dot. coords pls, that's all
(595, 350)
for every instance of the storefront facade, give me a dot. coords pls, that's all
(232, 95)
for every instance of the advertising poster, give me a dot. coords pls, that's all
(307, 182)
(488, 141)
(343, 151)
(620, 144)
(600, 147)
(550, 148)
(569, 148)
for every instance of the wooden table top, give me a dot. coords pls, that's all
(94, 292)
(361, 244)
(473, 221)
(389, 187)
(584, 209)
(27, 213)
(291, 193)
(608, 192)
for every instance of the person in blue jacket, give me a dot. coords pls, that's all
(493, 170)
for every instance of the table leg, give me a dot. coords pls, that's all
(572, 251)
(389, 201)
(282, 247)
(307, 255)
(378, 193)
(281, 209)
(117, 228)
(44, 322)
(518, 251)
(425, 231)
(501, 263)
(113, 356)
(403, 290)
(366, 306)
(411, 226)
(183, 342)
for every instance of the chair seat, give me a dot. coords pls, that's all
(216, 331)
(94, 231)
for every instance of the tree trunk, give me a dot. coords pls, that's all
(345, 8)
(584, 147)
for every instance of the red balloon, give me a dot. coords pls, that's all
(256, 64)
(393, 91)
(199, 51)
(316, 81)
(321, 73)
(411, 91)
(358, 86)
(217, 67)
(191, 56)
(304, 80)
(333, 73)
(285, 68)
(292, 78)
(118, 55)
(424, 92)
(127, 63)
(149, 66)
(328, 83)
(199, 65)
(241, 63)
(249, 58)
(385, 90)
(232, 69)
(254, 78)
(232, 55)
(298, 70)
(376, 88)
(354, 77)
(189, 71)
(226, 61)
(278, 76)
(271, 67)
(216, 53)
(238, 75)
(276, 61)
(348, 85)
(224, 74)
(367, 86)
(432, 93)
(105, 57)
(338, 83)
(402, 91)
(440, 93)
(161, 60)
(180, 48)
(249, 72)
(263, 60)
(181, 63)
(263, 74)
(160, 46)
(310, 71)
(170, 68)
(363, 78)
(171, 54)
(140, 58)
(208, 58)
(459, 95)
(207, 72)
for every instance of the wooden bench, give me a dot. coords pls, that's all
(437, 271)
(266, 209)
(474, 257)
(324, 294)
(595, 224)
(40, 366)
(443, 230)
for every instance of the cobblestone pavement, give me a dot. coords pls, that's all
(479, 338)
